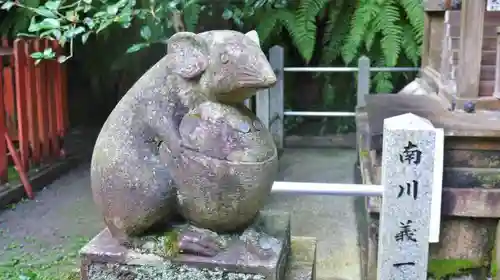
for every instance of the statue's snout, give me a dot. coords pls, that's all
(268, 76)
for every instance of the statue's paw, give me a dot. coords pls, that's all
(200, 243)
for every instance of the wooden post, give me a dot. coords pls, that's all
(21, 102)
(31, 104)
(496, 92)
(426, 40)
(262, 106)
(42, 108)
(363, 80)
(471, 46)
(276, 95)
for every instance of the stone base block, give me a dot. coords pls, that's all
(259, 253)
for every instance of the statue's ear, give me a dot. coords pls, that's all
(188, 53)
(254, 36)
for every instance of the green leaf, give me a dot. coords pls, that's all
(112, 10)
(136, 47)
(87, 2)
(146, 32)
(33, 27)
(104, 25)
(89, 22)
(7, 5)
(124, 19)
(71, 33)
(37, 55)
(44, 12)
(48, 53)
(62, 58)
(85, 37)
(227, 14)
(56, 33)
(52, 5)
(49, 23)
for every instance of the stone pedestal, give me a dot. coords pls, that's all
(261, 252)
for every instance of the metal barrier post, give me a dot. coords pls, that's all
(363, 80)
(276, 95)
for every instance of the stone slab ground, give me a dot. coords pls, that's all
(48, 232)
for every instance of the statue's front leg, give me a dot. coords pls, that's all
(196, 242)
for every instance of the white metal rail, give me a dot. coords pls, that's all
(309, 188)
(338, 70)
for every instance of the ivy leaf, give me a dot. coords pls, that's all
(62, 59)
(112, 10)
(49, 23)
(56, 33)
(7, 5)
(71, 33)
(104, 24)
(146, 32)
(49, 53)
(124, 19)
(85, 37)
(89, 22)
(37, 55)
(33, 27)
(227, 14)
(52, 5)
(137, 47)
(44, 12)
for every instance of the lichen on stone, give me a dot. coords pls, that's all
(167, 272)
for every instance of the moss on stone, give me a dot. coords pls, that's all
(363, 153)
(171, 243)
(442, 268)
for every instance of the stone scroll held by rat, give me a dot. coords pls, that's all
(181, 141)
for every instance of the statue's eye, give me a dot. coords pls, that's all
(224, 58)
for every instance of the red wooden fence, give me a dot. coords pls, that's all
(33, 110)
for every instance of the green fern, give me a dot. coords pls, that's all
(306, 25)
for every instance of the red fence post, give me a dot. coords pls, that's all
(32, 104)
(20, 65)
(9, 94)
(42, 105)
(51, 84)
(3, 129)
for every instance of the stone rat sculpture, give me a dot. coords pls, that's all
(216, 162)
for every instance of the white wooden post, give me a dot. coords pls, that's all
(411, 157)
(276, 95)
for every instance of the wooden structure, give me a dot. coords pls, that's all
(33, 111)
(460, 66)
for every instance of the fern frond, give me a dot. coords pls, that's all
(363, 15)
(267, 23)
(415, 14)
(306, 23)
(410, 46)
(339, 33)
(387, 21)
(382, 80)
(333, 15)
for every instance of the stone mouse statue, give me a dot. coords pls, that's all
(213, 162)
